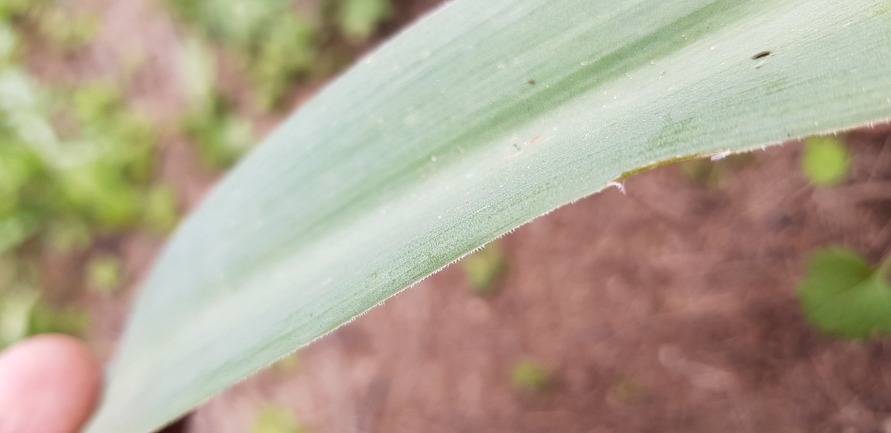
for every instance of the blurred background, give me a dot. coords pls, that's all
(687, 305)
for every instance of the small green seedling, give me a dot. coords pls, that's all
(198, 72)
(8, 42)
(211, 123)
(106, 191)
(70, 320)
(238, 24)
(67, 235)
(220, 136)
(274, 43)
(14, 230)
(104, 273)
(483, 267)
(529, 376)
(86, 172)
(67, 32)
(48, 20)
(276, 419)
(288, 51)
(161, 209)
(288, 363)
(842, 295)
(11, 8)
(358, 19)
(15, 314)
(824, 161)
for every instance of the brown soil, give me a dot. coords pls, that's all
(670, 309)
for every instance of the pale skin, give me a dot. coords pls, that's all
(48, 384)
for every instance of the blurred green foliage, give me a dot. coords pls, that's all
(287, 52)
(76, 164)
(288, 363)
(825, 161)
(220, 137)
(23, 314)
(276, 419)
(73, 157)
(11, 8)
(66, 31)
(276, 44)
(58, 26)
(842, 295)
(359, 18)
(78, 167)
(15, 315)
(8, 41)
(64, 320)
(104, 273)
(529, 376)
(161, 210)
(483, 267)
(240, 24)
(273, 43)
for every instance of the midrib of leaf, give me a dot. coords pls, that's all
(337, 211)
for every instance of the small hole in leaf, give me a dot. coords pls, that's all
(761, 55)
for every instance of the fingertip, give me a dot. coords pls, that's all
(49, 384)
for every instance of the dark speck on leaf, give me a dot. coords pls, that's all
(531, 81)
(761, 55)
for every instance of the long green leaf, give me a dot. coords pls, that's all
(479, 118)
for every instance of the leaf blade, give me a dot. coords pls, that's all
(842, 295)
(440, 141)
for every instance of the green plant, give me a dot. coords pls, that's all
(483, 267)
(275, 419)
(45, 318)
(211, 123)
(161, 210)
(75, 164)
(50, 21)
(359, 18)
(15, 315)
(71, 155)
(824, 160)
(278, 45)
(529, 376)
(288, 51)
(104, 273)
(288, 363)
(219, 135)
(237, 23)
(842, 295)
(273, 42)
(480, 118)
